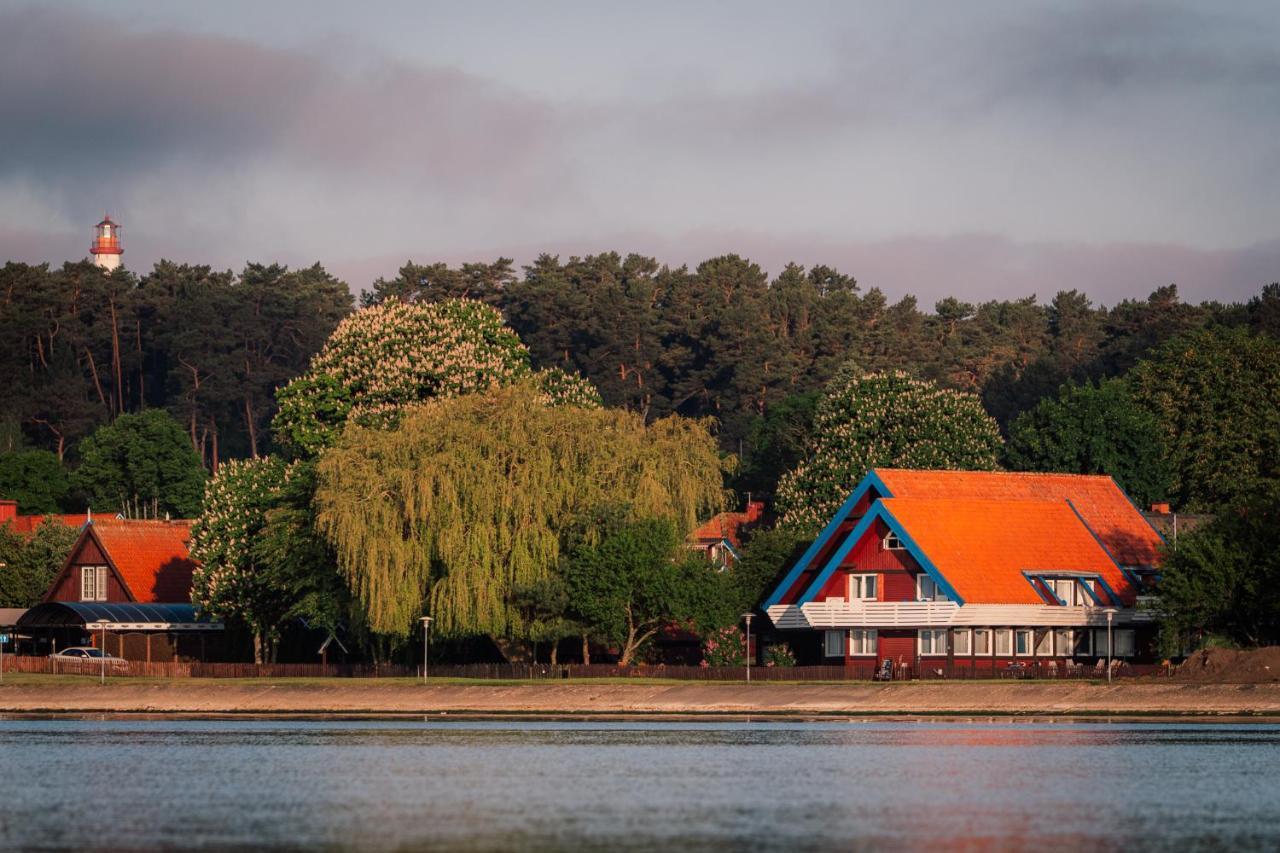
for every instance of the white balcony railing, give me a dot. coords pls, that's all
(837, 613)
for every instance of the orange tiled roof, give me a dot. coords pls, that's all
(1102, 504)
(151, 556)
(982, 547)
(27, 524)
(728, 525)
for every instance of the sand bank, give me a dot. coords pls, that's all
(369, 696)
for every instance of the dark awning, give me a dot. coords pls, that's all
(116, 616)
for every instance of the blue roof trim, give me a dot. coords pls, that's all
(879, 511)
(871, 480)
(1031, 579)
(1115, 599)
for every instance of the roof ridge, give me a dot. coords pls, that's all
(997, 473)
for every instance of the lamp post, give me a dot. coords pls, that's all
(426, 630)
(103, 677)
(748, 617)
(1111, 613)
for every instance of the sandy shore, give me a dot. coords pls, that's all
(199, 696)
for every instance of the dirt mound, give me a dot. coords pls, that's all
(1253, 666)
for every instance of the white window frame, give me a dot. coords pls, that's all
(858, 585)
(938, 593)
(1003, 637)
(961, 642)
(1031, 642)
(892, 542)
(863, 642)
(988, 643)
(833, 639)
(931, 642)
(1043, 646)
(1063, 643)
(93, 583)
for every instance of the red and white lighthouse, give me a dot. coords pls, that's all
(106, 249)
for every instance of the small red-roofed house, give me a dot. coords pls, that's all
(720, 538)
(974, 572)
(127, 583)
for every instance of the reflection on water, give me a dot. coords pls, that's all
(517, 785)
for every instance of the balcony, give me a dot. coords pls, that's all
(837, 613)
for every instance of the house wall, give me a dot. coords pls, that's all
(68, 588)
(896, 569)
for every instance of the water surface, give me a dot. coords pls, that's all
(405, 785)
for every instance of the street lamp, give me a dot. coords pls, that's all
(1111, 613)
(426, 629)
(103, 677)
(748, 617)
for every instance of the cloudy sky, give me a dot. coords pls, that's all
(978, 149)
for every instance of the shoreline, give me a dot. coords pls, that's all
(385, 698)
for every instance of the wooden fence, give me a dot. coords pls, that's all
(960, 669)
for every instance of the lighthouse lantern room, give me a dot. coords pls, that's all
(106, 249)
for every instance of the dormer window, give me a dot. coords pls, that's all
(892, 542)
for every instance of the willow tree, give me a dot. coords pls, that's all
(465, 501)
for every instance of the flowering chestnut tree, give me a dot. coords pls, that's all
(230, 583)
(882, 419)
(385, 358)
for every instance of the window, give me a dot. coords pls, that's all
(1083, 643)
(960, 641)
(981, 641)
(892, 542)
(835, 644)
(1022, 640)
(93, 583)
(862, 641)
(928, 590)
(1062, 642)
(1044, 644)
(933, 641)
(1065, 589)
(862, 587)
(1124, 643)
(1004, 642)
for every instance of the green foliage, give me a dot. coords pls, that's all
(467, 498)
(141, 466)
(635, 579)
(888, 420)
(260, 561)
(779, 654)
(393, 355)
(1224, 578)
(725, 647)
(765, 557)
(778, 441)
(1216, 396)
(29, 565)
(1093, 429)
(36, 479)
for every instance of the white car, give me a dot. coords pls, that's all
(89, 654)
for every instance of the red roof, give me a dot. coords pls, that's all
(27, 524)
(729, 525)
(151, 557)
(982, 547)
(1104, 507)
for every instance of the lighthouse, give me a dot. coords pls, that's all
(106, 249)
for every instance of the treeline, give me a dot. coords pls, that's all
(725, 340)
(79, 348)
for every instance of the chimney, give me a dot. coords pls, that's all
(8, 511)
(1160, 509)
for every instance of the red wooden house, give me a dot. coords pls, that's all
(720, 538)
(126, 583)
(984, 571)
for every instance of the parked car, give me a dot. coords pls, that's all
(89, 655)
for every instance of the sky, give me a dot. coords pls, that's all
(982, 150)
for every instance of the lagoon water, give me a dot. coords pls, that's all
(474, 785)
